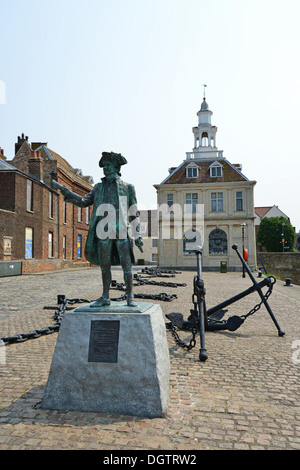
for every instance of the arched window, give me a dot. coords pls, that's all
(217, 242)
(204, 139)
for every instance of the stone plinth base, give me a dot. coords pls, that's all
(113, 360)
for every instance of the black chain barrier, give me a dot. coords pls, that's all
(162, 296)
(199, 320)
(47, 330)
(177, 321)
(63, 303)
(145, 281)
(154, 272)
(142, 280)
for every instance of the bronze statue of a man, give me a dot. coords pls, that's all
(110, 238)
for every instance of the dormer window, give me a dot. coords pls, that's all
(192, 171)
(216, 170)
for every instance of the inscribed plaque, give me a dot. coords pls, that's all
(104, 341)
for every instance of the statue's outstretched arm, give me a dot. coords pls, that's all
(74, 198)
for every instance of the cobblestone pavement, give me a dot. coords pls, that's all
(245, 396)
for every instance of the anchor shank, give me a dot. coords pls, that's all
(239, 296)
(257, 287)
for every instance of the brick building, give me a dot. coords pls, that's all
(36, 225)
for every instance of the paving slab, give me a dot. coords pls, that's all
(244, 397)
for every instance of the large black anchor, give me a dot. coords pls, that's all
(202, 319)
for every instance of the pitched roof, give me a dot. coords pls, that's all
(49, 154)
(24, 152)
(4, 166)
(73, 173)
(262, 211)
(230, 173)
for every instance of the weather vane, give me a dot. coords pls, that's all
(204, 86)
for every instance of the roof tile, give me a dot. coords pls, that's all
(230, 173)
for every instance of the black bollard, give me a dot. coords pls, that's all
(61, 299)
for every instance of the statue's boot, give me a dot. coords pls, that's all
(129, 286)
(104, 299)
(101, 302)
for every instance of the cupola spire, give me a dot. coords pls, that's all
(204, 133)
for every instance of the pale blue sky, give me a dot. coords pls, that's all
(127, 76)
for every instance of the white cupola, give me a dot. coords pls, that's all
(205, 146)
(204, 133)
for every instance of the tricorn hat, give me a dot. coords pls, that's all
(115, 158)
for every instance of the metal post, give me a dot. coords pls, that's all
(200, 298)
(243, 245)
(261, 262)
(199, 270)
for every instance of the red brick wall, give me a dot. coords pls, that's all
(72, 228)
(7, 190)
(13, 223)
(14, 217)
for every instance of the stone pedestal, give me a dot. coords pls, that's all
(112, 360)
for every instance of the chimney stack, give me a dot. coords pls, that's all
(35, 165)
(2, 157)
(20, 142)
